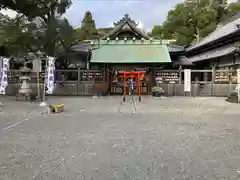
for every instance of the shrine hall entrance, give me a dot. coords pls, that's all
(116, 82)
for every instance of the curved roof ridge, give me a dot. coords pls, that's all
(121, 25)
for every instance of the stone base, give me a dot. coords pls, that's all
(22, 97)
(232, 97)
(187, 93)
(157, 94)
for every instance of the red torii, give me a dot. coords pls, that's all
(132, 75)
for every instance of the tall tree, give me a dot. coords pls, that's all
(88, 28)
(48, 10)
(192, 20)
(67, 36)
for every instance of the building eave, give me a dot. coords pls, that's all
(220, 33)
(214, 53)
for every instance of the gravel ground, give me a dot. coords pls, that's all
(176, 138)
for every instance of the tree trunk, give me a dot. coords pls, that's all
(51, 34)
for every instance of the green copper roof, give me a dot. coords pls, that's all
(131, 53)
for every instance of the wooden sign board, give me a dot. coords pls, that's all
(168, 77)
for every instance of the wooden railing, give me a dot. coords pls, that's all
(70, 75)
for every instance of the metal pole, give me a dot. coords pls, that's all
(44, 91)
(43, 103)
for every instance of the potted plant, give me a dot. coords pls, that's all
(157, 91)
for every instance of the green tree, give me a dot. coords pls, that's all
(157, 32)
(18, 35)
(37, 8)
(233, 9)
(67, 36)
(192, 20)
(88, 28)
(48, 10)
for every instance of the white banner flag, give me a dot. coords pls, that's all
(238, 84)
(49, 75)
(4, 67)
(187, 80)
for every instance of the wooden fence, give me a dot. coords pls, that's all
(80, 82)
(203, 82)
(77, 82)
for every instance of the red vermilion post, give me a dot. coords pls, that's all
(132, 75)
(138, 84)
(124, 84)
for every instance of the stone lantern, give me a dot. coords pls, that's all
(24, 78)
(158, 80)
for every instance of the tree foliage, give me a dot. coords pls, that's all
(233, 9)
(67, 36)
(193, 20)
(18, 35)
(37, 8)
(49, 11)
(157, 32)
(88, 29)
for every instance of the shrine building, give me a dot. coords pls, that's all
(128, 47)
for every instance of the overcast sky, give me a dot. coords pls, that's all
(105, 12)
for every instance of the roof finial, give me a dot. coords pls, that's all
(126, 17)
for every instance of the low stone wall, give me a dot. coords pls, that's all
(86, 88)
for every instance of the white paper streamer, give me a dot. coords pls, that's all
(4, 67)
(49, 75)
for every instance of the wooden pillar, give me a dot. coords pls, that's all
(230, 79)
(78, 80)
(213, 72)
(205, 76)
(213, 78)
(104, 73)
(153, 76)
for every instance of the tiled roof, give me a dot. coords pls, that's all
(174, 48)
(182, 60)
(126, 23)
(215, 53)
(83, 47)
(221, 31)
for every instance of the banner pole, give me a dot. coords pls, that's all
(43, 103)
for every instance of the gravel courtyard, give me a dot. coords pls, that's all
(175, 138)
